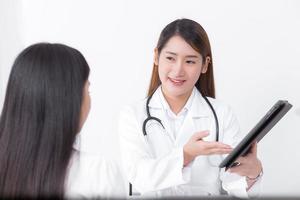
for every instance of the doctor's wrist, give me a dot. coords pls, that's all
(256, 177)
(256, 172)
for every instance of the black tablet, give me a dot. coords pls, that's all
(257, 133)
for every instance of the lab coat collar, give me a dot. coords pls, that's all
(198, 108)
(166, 106)
(155, 101)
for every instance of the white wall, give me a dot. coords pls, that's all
(10, 39)
(255, 50)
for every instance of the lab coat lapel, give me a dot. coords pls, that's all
(157, 110)
(198, 115)
(186, 130)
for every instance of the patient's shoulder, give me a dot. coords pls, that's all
(94, 175)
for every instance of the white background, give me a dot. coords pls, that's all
(256, 50)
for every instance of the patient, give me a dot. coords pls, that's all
(46, 104)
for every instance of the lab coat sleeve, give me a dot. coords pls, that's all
(235, 184)
(143, 171)
(255, 190)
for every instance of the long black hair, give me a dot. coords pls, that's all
(40, 120)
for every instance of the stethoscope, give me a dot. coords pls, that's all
(151, 118)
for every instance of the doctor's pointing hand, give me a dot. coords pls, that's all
(196, 147)
(172, 141)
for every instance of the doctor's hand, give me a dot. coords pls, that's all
(196, 146)
(250, 166)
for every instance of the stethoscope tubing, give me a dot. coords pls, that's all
(149, 117)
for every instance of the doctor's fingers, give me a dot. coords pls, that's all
(199, 135)
(210, 144)
(218, 151)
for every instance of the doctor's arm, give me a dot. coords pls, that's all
(144, 171)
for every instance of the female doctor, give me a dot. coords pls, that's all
(173, 141)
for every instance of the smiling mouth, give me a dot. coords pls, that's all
(176, 81)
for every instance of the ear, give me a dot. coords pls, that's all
(155, 56)
(205, 65)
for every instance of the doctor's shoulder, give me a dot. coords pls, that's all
(222, 108)
(135, 111)
(224, 111)
(94, 175)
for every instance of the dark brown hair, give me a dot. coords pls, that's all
(194, 35)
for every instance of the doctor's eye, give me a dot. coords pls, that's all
(170, 58)
(190, 62)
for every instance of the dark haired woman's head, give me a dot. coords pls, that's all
(183, 59)
(46, 104)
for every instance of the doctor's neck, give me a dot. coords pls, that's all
(176, 102)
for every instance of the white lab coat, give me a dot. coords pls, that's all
(154, 164)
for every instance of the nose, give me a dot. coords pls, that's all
(178, 68)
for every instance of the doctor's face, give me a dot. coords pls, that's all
(86, 104)
(179, 67)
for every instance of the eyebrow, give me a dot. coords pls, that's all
(188, 56)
